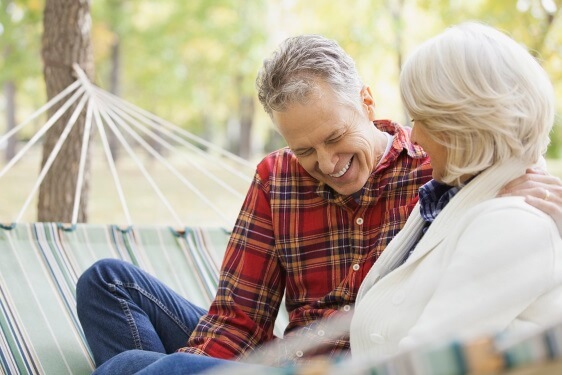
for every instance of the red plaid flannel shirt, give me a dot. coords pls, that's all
(298, 236)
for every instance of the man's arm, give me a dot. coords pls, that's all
(250, 288)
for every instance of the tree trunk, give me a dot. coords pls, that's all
(66, 40)
(10, 96)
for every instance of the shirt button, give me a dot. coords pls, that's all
(320, 333)
(356, 267)
(299, 353)
(376, 338)
(346, 308)
(359, 221)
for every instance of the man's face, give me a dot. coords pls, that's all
(335, 143)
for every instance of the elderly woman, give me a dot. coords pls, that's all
(467, 262)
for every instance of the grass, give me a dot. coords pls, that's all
(141, 199)
(144, 205)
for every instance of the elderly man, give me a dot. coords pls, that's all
(316, 217)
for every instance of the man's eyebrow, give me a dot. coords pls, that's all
(330, 136)
(335, 133)
(300, 150)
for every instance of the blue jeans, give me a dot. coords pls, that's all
(141, 362)
(122, 308)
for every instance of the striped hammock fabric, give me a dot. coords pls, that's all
(40, 333)
(40, 264)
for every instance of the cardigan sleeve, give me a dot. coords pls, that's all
(503, 258)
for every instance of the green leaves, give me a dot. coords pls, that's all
(193, 60)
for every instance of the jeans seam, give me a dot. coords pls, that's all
(131, 323)
(155, 300)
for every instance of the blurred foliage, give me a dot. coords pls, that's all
(20, 39)
(189, 61)
(20, 55)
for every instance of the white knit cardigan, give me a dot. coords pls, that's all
(485, 264)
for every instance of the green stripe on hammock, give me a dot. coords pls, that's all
(39, 266)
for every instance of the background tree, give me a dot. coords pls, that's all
(19, 31)
(110, 29)
(211, 51)
(66, 41)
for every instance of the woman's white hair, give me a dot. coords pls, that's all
(482, 95)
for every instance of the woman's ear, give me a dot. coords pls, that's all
(368, 102)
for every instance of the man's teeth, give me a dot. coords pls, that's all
(344, 169)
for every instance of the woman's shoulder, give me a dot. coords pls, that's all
(507, 206)
(510, 219)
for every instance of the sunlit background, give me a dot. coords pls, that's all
(194, 62)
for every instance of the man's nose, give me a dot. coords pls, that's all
(327, 160)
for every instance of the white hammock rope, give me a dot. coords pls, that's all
(112, 167)
(103, 108)
(163, 126)
(106, 148)
(82, 165)
(54, 153)
(42, 131)
(119, 113)
(161, 159)
(40, 111)
(179, 130)
(142, 169)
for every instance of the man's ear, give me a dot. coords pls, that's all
(368, 102)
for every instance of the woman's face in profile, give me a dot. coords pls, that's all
(436, 151)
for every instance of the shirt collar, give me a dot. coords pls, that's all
(433, 197)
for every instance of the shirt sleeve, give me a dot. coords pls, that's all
(251, 284)
(503, 260)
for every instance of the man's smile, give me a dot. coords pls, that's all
(343, 170)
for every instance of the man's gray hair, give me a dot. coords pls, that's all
(293, 73)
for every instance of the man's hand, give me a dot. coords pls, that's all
(540, 190)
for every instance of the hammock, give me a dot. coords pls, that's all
(41, 262)
(129, 123)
